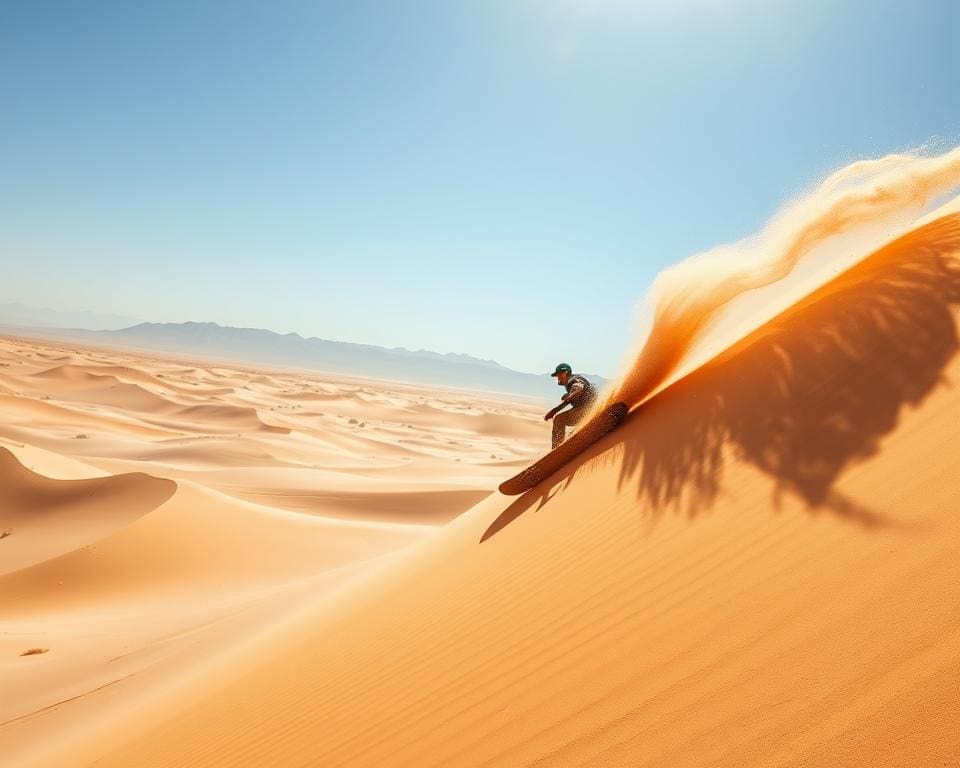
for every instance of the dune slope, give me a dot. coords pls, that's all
(113, 586)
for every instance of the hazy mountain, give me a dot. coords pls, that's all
(257, 345)
(21, 314)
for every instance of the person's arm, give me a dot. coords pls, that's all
(577, 390)
(554, 411)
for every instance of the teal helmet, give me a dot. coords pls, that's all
(562, 368)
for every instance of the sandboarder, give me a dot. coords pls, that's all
(581, 394)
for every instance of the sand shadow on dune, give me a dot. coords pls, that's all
(537, 497)
(815, 390)
(541, 495)
(803, 399)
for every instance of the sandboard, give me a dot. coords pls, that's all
(602, 424)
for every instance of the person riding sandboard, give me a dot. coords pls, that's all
(581, 394)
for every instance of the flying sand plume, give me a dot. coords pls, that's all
(847, 216)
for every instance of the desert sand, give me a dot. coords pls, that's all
(155, 513)
(759, 568)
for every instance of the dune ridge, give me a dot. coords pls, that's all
(873, 199)
(44, 518)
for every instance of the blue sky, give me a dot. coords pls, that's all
(502, 178)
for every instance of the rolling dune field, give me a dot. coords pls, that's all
(156, 514)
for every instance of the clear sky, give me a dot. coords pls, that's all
(500, 177)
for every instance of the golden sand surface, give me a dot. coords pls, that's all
(156, 512)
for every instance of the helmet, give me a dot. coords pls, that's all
(562, 368)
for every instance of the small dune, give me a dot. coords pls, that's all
(219, 418)
(160, 381)
(80, 384)
(51, 517)
(39, 413)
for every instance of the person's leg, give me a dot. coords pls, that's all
(560, 423)
(577, 414)
(566, 419)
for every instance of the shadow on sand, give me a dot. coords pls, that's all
(806, 396)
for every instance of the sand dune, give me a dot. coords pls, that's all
(129, 374)
(346, 493)
(758, 568)
(156, 516)
(43, 518)
(215, 418)
(38, 413)
(76, 383)
(310, 395)
(204, 568)
(198, 542)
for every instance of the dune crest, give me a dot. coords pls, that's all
(846, 217)
(45, 518)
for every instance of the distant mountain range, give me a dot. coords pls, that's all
(256, 345)
(21, 314)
